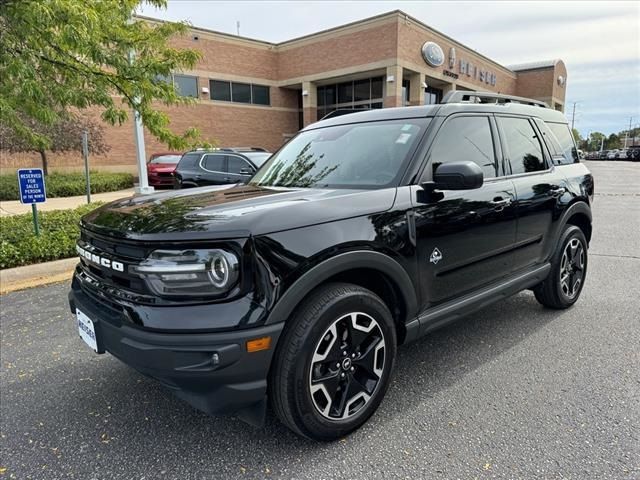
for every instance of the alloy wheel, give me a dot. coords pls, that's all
(347, 366)
(572, 268)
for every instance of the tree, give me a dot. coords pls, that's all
(595, 140)
(61, 55)
(612, 142)
(64, 136)
(576, 136)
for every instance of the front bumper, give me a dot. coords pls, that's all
(211, 371)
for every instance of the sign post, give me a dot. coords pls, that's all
(32, 191)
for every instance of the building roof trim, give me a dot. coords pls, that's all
(542, 64)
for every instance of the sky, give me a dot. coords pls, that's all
(598, 41)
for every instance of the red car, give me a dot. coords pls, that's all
(160, 168)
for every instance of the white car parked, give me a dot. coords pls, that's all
(612, 154)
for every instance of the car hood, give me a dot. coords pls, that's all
(230, 211)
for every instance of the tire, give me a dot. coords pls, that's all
(562, 288)
(329, 374)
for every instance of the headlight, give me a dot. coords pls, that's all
(189, 273)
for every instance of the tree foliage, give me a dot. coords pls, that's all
(63, 136)
(61, 55)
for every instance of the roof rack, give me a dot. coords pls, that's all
(458, 96)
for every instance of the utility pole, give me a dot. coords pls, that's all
(626, 137)
(573, 116)
(238, 27)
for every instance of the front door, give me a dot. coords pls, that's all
(465, 239)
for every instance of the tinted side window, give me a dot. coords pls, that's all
(523, 145)
(215, 163)
(465, 138)
(189, 161)
(236, 164)
(565, 139)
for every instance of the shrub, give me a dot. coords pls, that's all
(69, 184)
(59, 230)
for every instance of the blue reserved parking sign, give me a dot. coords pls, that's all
(31, 184)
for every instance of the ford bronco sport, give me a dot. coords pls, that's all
(364, 232)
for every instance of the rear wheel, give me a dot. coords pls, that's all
(562, 287)
(333, 366)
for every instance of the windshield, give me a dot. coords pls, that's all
(258, 158)
(362, 155)
(166, 159)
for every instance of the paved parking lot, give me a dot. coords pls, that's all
(516, 391)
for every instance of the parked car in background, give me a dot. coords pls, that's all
(612, 154)
(634, 153)
(218, 166)
(580, 154)
(622, 154)
(603, 154)
(160, 168)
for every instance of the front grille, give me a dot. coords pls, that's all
(115, 251)
(165, 174)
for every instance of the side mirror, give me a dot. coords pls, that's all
(458, 176)
(464, 175)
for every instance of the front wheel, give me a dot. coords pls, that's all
(333, 365)
(562, 287)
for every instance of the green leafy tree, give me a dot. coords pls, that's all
(63, 136)
(612, 142)
(60, 55)
(595, 140)
(576, 136)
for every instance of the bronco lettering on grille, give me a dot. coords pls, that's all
(98, 260)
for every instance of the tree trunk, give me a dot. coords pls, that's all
(43, 156)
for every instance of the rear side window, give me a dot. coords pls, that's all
(523, 145)
(565, 140)
(465, 138)
(214, 163)
(236, 164)
(189, 161)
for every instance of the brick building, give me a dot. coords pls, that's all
(251, 92)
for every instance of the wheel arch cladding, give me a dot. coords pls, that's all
(579, 214)
(371, 270)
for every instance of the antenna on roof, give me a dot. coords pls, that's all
(238, 27)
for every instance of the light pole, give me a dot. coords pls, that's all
(626, 137)
(573, 115)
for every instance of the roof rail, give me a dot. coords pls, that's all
(242, 149)
(458, 96)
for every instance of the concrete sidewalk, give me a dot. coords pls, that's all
(14, 207)
(19, 278)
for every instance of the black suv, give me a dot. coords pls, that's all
(363, 232)
(218, 166)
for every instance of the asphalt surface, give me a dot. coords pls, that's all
(515, 391)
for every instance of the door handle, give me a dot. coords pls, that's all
(226, 179)
(500, 203)
(557, 191)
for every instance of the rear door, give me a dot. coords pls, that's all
(539, 188)
(465, 239)
(213, 170)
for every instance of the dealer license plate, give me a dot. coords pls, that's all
(86, 330)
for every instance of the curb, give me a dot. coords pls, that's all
(29, 276)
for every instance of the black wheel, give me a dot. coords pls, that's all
(562, 287)
(333, 362)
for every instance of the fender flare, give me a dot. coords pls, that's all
(341, 263)
(579, 206)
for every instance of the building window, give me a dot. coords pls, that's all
(239, 92)
(432, 96)
(354, 95)
(260, 95)
(220, 90)
(185, 85)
